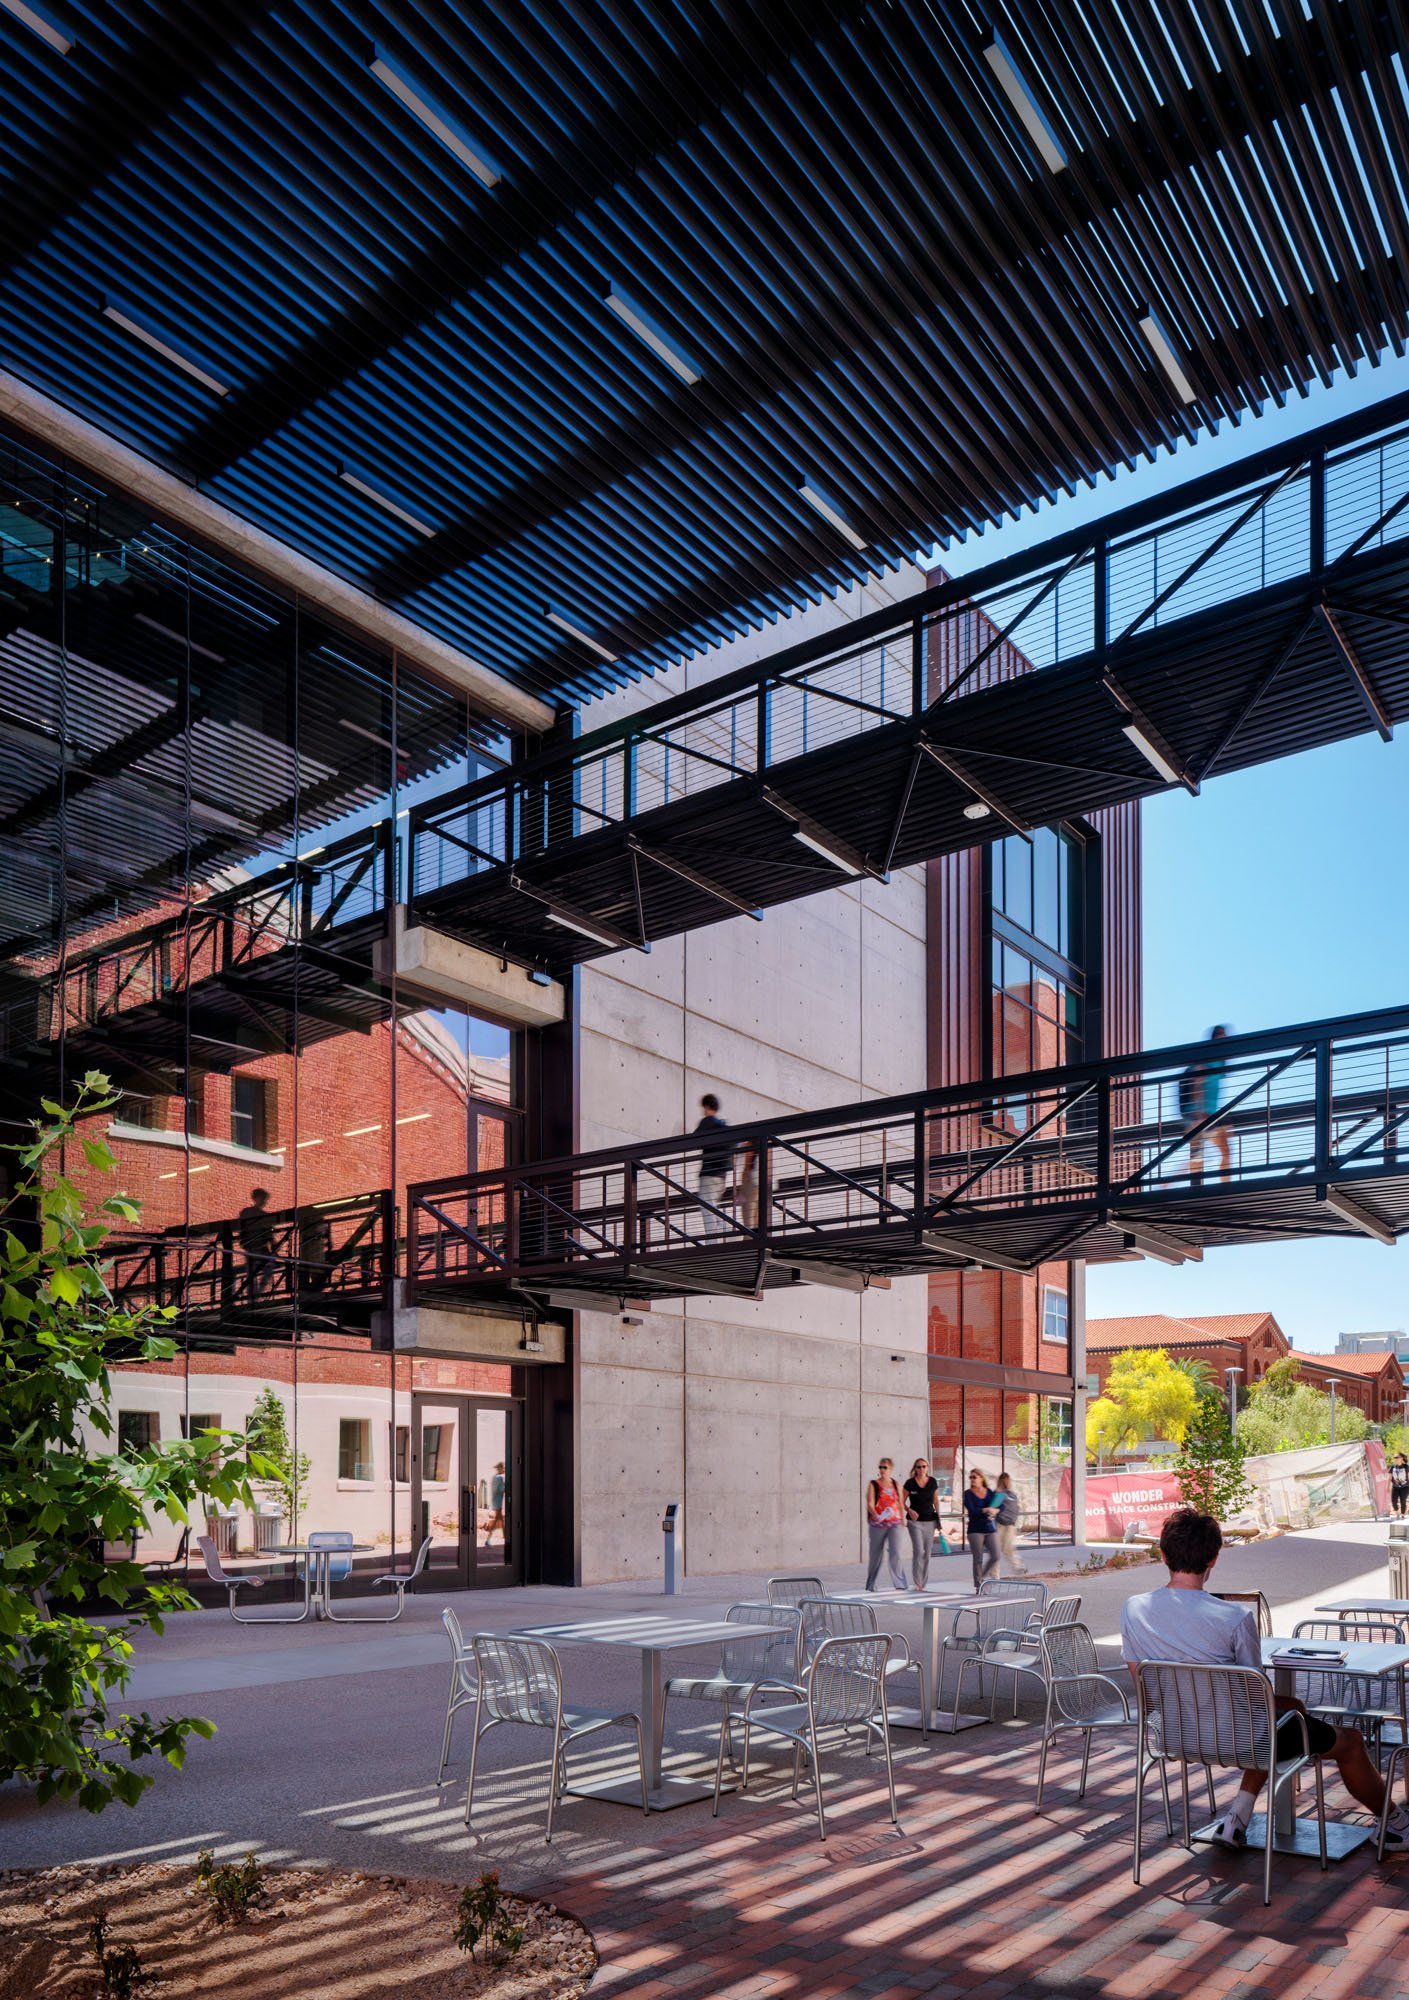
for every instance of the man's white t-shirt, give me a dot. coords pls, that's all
(1189, 1625)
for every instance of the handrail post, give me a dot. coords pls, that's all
(764, 1156)
(917, 665)
(921, 1176)
(413, 1257)
(764, 751)
(1323, 1111)
(1316, 494)
(1100, 595)
(629, 1215)
(513, 1234)
(1105, 1174)
(628, 776)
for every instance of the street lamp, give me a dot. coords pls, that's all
(1232, 1374)
(1333, 1383)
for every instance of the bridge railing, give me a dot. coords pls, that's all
(1306, 510)
(302, 901)
(1323, 1105)
(321, 1252)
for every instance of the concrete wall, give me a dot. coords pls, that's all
(765, 1417)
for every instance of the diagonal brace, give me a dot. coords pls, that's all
(1369, 693)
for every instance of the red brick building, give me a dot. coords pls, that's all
(1251, 1342)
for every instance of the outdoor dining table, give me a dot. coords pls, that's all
(1298, 1836)
(653, 1636)
(933, 1605)
(317, 1588)
(1395, 1609)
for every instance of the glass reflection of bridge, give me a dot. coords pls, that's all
(1094, 1160)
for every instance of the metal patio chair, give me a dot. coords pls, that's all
(754, 1662)
(160, 1567)
(216, 1571)
(1371, 1703)
(339, 1567)
(974, 1626)
(521, 1682)
(464, 1681)
(1015, 1586)
(1255, 1601)
(1080, 1696)
(844, 1686)
(400, 1581)
(824, 1618)
(1225, 1719)
(793, 1589)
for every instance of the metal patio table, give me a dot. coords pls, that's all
(317, 1589)
(933, 1605)
(1298, 1836)
(653, 1636)
(1394, 1608)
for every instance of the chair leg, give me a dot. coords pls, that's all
(1270, 1842)
(474, 1760)
(445, 1740)
(1042, 1769)
(1164, 1788)
(1141, 1772)
(748, 1726)
(1212, 1795)
(1321, 1813)
(1184, 1788)
(558, 1748)
(817, 1784)
(641, 1757)
(719, 1762)
(797, 1766)
(1085, 1762)
(890, 1772)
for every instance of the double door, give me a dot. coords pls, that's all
(467, 1488)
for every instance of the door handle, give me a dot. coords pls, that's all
(467, 1519)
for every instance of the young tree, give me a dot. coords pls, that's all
(1145, 1396)
(60, 1500)
(1294, 1416)
(1210, 1465)
(267, 1433)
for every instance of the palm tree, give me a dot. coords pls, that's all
(1200, 1374)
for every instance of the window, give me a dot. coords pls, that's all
(354, 1448)
(133, 1109)
(1054, 1314)
(1059, 1423)
(136, 1429)
(248, 1113)
(1037, 926)
(401, 1447)
(196, 1422)
(435, 1451)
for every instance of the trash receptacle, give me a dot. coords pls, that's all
(268, 1530)
(222, 1528)
(1399, 1569)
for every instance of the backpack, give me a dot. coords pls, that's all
(1191, 1094)
(1009, 1514)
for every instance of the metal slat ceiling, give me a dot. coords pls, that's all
(832, 211)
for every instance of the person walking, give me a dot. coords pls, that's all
(980, 1511)
(255, 1233)
(1399, 1483)
(715, 1162)
(884, 1515)
(1007, 1521)
(1200, 1092)
(921, 1519)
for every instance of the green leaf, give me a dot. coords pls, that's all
(99, 1155)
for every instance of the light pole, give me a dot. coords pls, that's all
(1232, 1374)
(1333, 1383)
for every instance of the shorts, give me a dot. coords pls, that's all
(1289, 1743)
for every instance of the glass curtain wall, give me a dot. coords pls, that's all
(202, 789)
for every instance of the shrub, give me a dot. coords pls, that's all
(483, 1918)
(60, 1500)
(1210, 1465)
(233, 1887)
(121, 1972)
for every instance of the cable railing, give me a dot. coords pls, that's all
(1257, 1134)
(1306, 513)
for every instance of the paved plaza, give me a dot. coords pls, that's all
(328, 1739)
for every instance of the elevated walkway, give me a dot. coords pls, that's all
(1239, 618)
(1093, 1161)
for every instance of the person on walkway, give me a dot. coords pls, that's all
(496, 1502)
(1200, 1090)
(921, 1519)
(980, 1519)
(255, 1230)
(1182, 1622)
(884, 1515)
(746, 1183)
(716, 1160)
(1399, 1483)
(1007, 1522)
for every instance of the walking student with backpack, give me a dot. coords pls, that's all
(1007, 1522)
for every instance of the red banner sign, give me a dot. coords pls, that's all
(1116, 1499)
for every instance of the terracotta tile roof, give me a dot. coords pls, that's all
(1108, 1336)
(1346, 1364)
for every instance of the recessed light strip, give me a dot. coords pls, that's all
(163, 348)
(1030, 114)
(576, 632)
(646, 329)
(384, 501)
(1167, 359)
(47, 30)
(823, 506)
(439, 123)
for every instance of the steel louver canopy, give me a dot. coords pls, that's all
(348, 266)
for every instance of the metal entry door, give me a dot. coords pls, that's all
(467, 1488)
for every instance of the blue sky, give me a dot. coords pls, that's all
(1275, 897)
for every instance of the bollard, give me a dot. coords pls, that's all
(668, 1530)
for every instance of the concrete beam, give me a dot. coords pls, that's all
(225, 533)
(473, 1333)
(429, 965)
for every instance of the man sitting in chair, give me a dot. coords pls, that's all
(1182, 1622)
